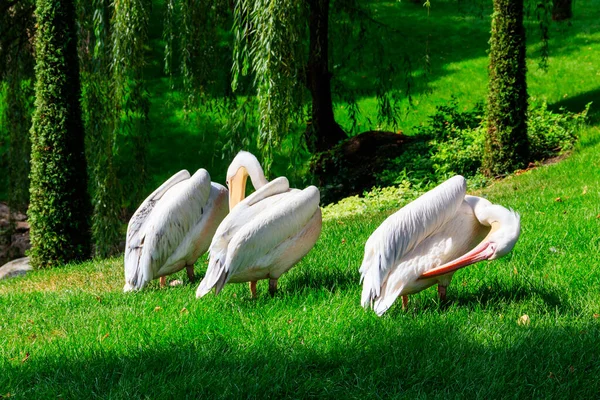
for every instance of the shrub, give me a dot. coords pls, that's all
(457, 141)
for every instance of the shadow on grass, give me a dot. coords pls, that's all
(577, 104)
(370, 359)
(497, 293)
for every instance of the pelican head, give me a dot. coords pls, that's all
(244, 165)
(505, 230)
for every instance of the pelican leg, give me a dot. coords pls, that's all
(253, 289)
(163, 281)
(442, 292)
(404, 302)
(272, 286)
(190, 272)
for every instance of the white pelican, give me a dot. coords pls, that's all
(426, 241)
(265, 234)
(172, 228)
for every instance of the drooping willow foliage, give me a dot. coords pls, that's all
(130, 97)
(19, 108)
(16, 70)
(99, 119)
(393, 81)
(269, 44)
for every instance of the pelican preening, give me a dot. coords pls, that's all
(172, 228)
(265, 234)
(425, 242)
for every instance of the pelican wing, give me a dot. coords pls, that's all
(401, 232)
(268, 223)
(243, 212)
(141, 214)
(174, 214)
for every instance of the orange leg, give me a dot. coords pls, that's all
(163, 281)
(190, 272)
(272, 286)
(404, 302)
(253, 289)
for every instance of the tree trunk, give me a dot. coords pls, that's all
(322, 132)
(562, 9)
(60, 204)
(507, 145)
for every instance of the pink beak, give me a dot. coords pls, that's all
(483, 251)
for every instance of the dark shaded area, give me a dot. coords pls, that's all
(562, 10)
(371, 356)
(577, 103)
(494, 293)
(350, 167)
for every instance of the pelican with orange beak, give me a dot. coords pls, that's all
(265, 234)
(426, 241)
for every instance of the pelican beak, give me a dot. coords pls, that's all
(237, 187)
(482, 251)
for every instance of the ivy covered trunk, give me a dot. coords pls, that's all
(323, 131)
(562, 9)
(59, 205)
(507, 146)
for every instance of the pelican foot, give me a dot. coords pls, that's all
(404, 302)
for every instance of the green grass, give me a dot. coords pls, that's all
(71, 333)
(458, 41)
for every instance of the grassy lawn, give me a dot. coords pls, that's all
(72, 333)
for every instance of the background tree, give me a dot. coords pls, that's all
(323, 131)
(60, 205)
(507, 146)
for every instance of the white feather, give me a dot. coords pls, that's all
(265, 234)
(175, 230)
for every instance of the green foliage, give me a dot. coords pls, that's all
(552, 133)
(448, 119)
(99, 121)
(19, 101)
(60, 205)
(130, 98)
(507, 148)
(376, 200)
(268, 43)
(458, 140)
